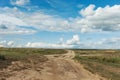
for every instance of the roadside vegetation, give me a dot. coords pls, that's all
(23, 52)
(8, 55)
(103, 62)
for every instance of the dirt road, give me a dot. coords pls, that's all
(58, 67)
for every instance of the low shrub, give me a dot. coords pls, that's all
(2, 57)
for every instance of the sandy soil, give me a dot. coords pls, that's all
(57, 67)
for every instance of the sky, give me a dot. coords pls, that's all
(81, 24)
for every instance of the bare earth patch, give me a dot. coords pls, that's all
(49, 67)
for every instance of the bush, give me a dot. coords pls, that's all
(111, 60)
(2, 57)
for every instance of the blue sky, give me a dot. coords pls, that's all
(60, 23)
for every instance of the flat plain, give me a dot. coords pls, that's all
(59, 64)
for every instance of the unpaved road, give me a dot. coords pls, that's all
(58, 67)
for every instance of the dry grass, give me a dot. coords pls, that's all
(103, 62)
(7, 55)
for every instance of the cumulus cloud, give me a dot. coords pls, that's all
(20, 2)
(5, 43)
(101, 19)
(74, 41)
(105, 43)
(88, 11)
(93, 19)
(10, 43)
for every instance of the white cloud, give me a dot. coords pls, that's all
(72, 43)
(14, 29)
(20, 2)
(5, 43)
(10, 20)
(106, 43)
(14, 17)
(88, 11)
(17, 31)
(10, 43)
(48, 45)
(99, 19)
(11, 24)
(75, 40)
(47, 22)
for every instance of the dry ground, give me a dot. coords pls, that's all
(53, 67)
